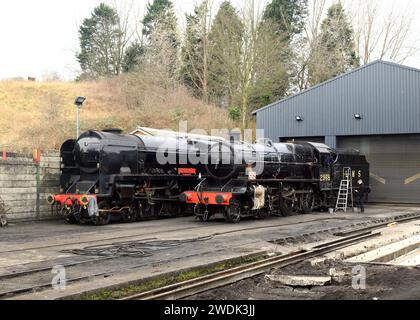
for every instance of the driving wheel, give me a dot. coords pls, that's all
(233, 212)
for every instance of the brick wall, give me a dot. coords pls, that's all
(24, 185)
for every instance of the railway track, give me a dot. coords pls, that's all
(229, 276)
(364, 227)
(402, 218)
(47, 284)
(44, 273)
(350, 237)
(189, 228)
(16, 273)
(380, 224)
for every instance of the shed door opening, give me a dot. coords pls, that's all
(395, 165)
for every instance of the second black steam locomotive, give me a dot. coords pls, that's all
(108, 174)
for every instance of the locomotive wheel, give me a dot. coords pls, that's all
(170, 210)
(199, 211)
(150, 211)
(263, 214)
(233, 212)
(129, 215)
(140, 212)
(306, 203)
(102, 220)
(72, 220)
(286, 208)
(72, 215)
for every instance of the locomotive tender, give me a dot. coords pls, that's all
(108, 174)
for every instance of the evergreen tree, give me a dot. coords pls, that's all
(225, 55)
(155, 12)
(160, 28)
(288, 16)
(100, 43)
(133, 56)
(334, 51)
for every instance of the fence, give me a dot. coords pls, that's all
(26, 181)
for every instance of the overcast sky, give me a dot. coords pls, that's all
(40, 36)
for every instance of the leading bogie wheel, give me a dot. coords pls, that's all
(71, 214)
(233, 212)
(200, 212)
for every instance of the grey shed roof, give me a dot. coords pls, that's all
(335, 79)
(386, 94)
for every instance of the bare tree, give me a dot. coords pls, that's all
(250, 20)
(196, 49)
(128, 26)
(378, 33)
(161, 57)
(317, 11)
(381, 33)
(306, 44)
(261, 69)
(205, 24)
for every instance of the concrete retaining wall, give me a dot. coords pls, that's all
(24, 185)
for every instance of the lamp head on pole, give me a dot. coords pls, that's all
(79, 101)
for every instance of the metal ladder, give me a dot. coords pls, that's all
(346, 187)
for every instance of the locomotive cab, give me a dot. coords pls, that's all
(356, 162)
(324, 158)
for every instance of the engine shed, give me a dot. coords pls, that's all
(374, 109)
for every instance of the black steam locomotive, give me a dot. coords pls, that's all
(110, 175)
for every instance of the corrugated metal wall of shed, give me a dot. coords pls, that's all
(385, 94)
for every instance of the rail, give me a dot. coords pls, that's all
(222, 278)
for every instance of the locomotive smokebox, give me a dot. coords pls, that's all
(87, 150)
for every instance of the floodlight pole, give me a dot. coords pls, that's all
(77, 122)
(79, 103)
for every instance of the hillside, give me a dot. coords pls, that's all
(42, 114)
